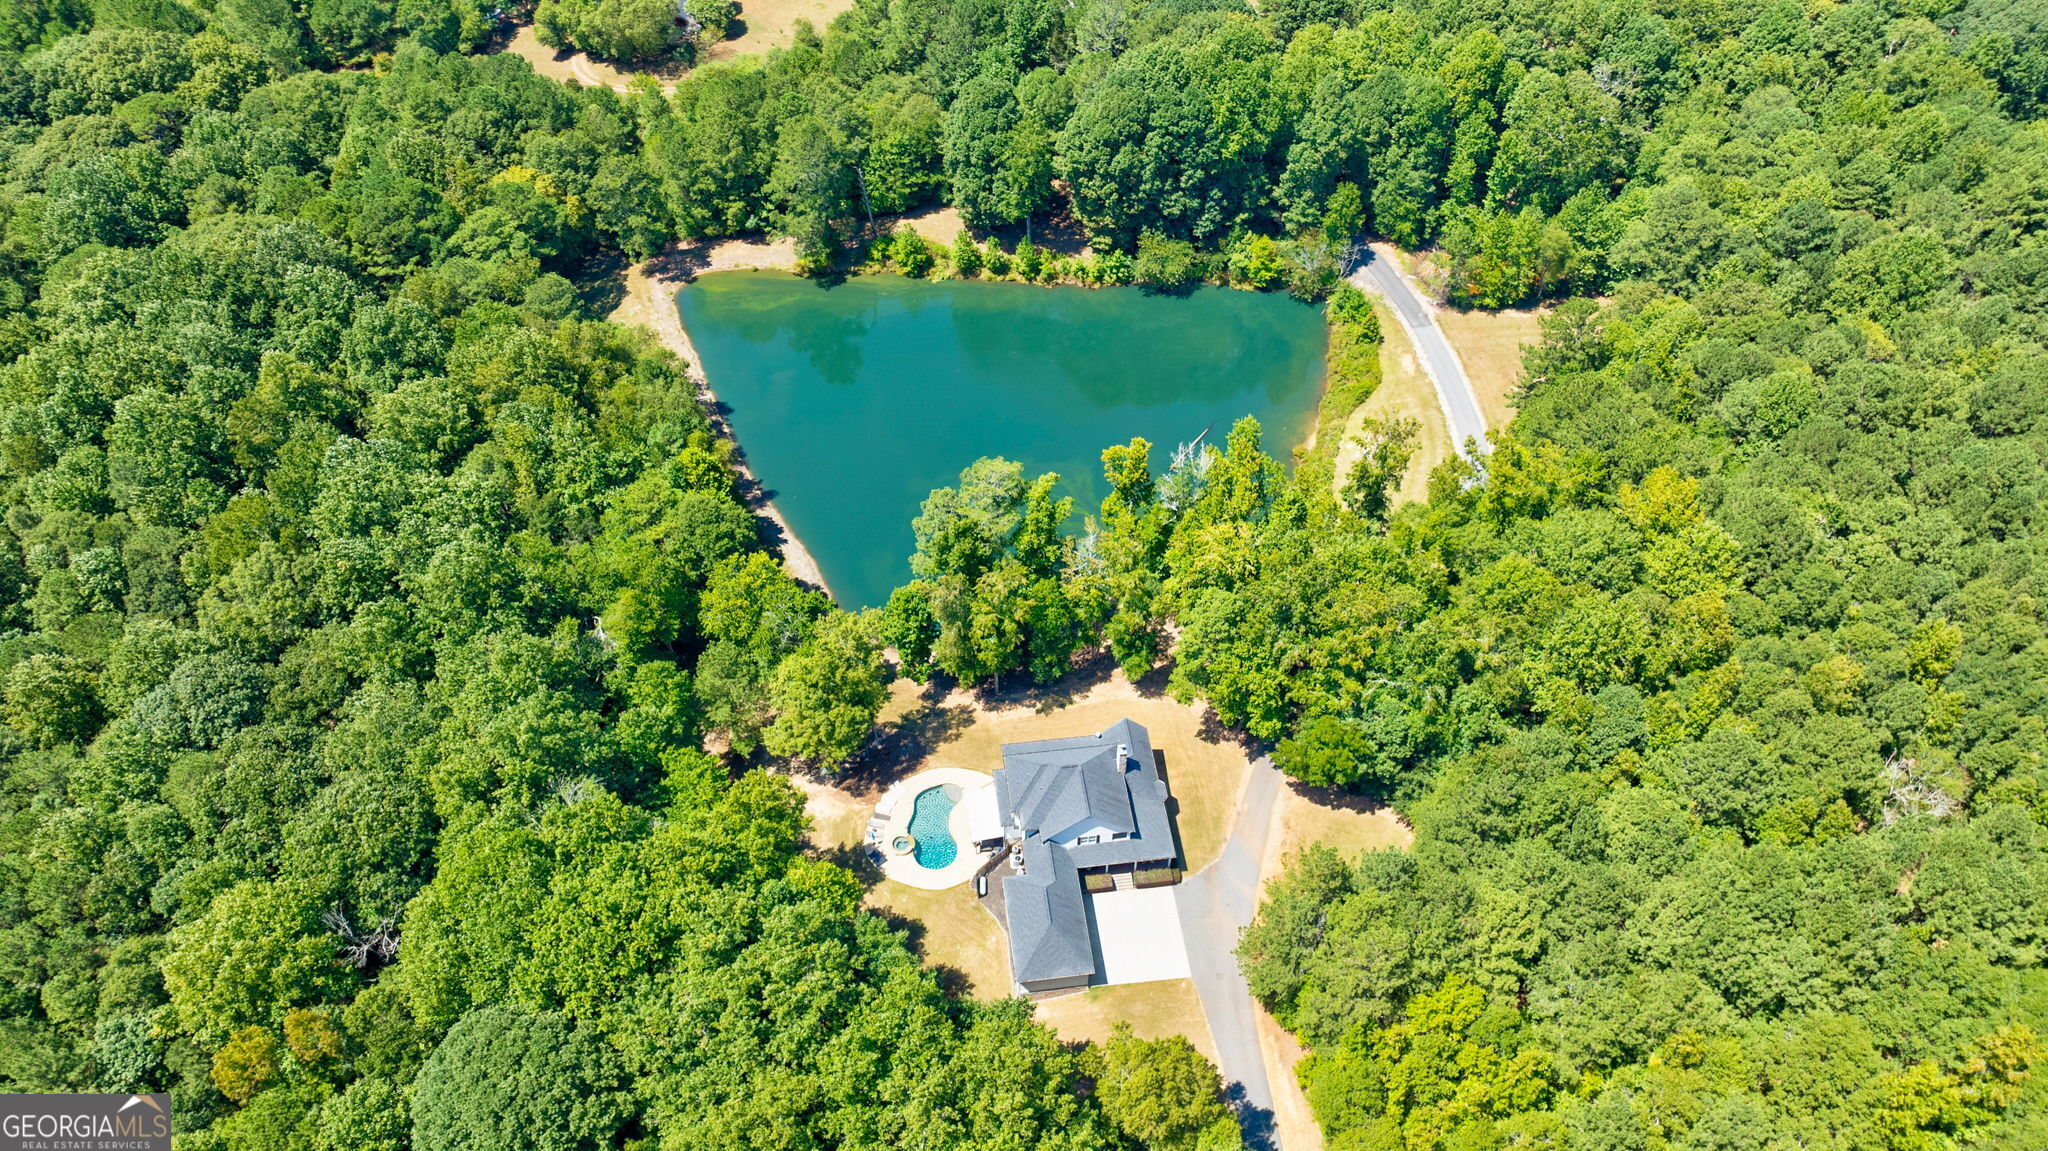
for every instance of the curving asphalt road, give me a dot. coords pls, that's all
(1379, 275)
(1215, 905)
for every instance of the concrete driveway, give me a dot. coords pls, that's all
(1137, 935)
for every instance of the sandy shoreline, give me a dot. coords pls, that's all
(650, 303)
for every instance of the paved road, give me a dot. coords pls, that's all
(1214, 906)
(1379, 275)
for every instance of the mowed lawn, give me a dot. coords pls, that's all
(1405, 392)
(766, 24)
(1491, 345)
(957, 933)
(1204, 777)
(1305, 816)
(1154, 1010)
(954, 932)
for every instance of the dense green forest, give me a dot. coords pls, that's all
(366, 605)
(368, 601)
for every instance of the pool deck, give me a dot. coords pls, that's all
(892, 818)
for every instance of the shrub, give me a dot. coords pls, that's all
(966, 256)
(908, 251)
(1255, 262)
(995, 259)
(1351, 308)
(1030, 261)
(1095, 882)
(1114, 268)
(1167, 264)
(1157, 876)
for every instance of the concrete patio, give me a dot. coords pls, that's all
(892, 819)
(1138, 935)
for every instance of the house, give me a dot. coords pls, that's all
(1070, 808)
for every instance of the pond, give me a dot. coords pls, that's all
(853, 402)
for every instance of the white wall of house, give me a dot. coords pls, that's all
(1087, 827)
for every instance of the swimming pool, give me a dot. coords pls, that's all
(930, 814)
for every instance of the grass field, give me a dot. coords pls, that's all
(579, 68)
(1351, 376)
(956, 933)
(1404, 390)
(1302, 817)
(1293, 1121)
(762, 25)
(1154, 1011)
(765, 24)
(1204, 777)
(1306, 816)
(1490, 346)
(839, 818)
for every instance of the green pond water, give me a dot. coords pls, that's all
(853, 402)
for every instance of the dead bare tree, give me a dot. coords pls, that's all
(1911, 792)
(363, 951)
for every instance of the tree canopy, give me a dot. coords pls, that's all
(368, 606)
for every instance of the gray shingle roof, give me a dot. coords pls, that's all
(1051, 791)
(1049, 936)
(1051, 784)
(1047, 786)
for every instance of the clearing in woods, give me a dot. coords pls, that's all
(765, 24)
(1490, 346)
(760, 26)
(1154, 1010)
(1404, 391)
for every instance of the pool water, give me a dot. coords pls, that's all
(930, 814)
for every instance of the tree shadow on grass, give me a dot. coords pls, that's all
(1362, 801)
(1152, 685)
(683, 260)
(1089, 669)
(899, 748)
(856, 858)
(954, 981)
(1213, 730)
(1061, 235)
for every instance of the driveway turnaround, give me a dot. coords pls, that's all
(1215, 906)
(1137, 935)
(1382, 277)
